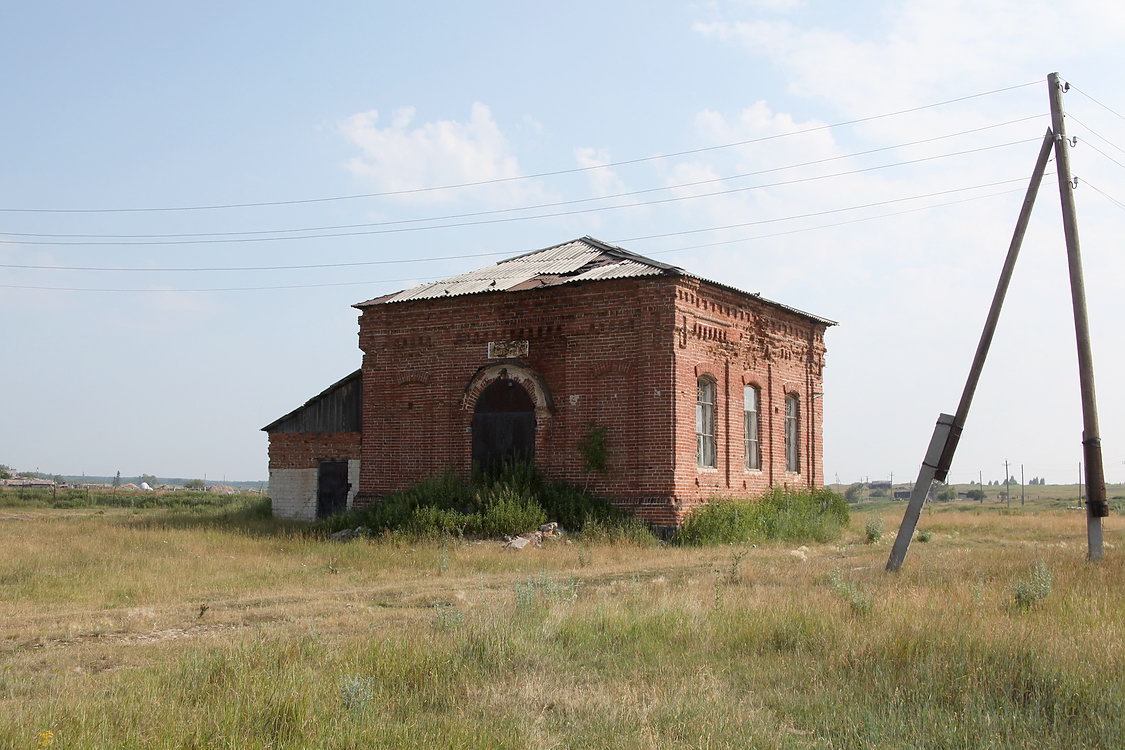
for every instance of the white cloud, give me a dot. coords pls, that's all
(404, 155)
(928, 48)
(911, 291)
(602, 181)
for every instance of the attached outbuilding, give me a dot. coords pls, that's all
(315, 453)
(703, 390)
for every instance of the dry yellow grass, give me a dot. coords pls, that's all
(307, 643)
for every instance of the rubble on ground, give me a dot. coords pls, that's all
(346, 535)
(546, 533)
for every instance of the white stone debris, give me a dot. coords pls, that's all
(346, 535)
(547, 532)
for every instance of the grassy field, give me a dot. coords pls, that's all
(206, 627)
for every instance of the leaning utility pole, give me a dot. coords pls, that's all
(943, 443)
(1096, 506)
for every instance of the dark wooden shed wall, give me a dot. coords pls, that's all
(337, 409)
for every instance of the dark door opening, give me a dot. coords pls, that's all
(332, 488)
(503, 427)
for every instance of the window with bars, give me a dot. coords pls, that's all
(750, 396)
(705, 423)
(792, 433)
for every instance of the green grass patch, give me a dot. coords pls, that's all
(785, 515)
(516, 500)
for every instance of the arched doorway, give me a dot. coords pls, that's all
(503, 426)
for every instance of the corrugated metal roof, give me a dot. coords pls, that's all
(584, 259)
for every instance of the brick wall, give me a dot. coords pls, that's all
(736, 341)
(305, 450)
(294, 464)
(622, 354)
(603, 352)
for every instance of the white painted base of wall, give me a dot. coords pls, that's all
(293, 491)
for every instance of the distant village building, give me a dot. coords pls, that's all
(703, 389)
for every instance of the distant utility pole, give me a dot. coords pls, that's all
(1023, 491)
(980, 478)
(1096, 505)
(1007, 485)
(1079, 484)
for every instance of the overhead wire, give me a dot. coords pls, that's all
(1104, 194)
(1103, 153)
(498, 180)
(311, 266)
(1094, 132)
(1095, 101)
(824, 212)
(510, 219)
(472, 214)
(488, 254)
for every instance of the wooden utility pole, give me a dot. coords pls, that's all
(1023, 487)
(1007, 485)
(1096, 505)
(943, 442)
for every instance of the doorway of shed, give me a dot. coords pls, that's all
(503, 426)
(332, 488)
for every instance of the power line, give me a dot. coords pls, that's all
(310, 266)
(1103, 153)
(542, 205)
(837, 223)
(478, 255)
(823, 213)
(573, 170)
(555, 214)
(1089, 184)
(1095, 101)
(1095, 133)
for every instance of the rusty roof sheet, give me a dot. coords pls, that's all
(584, 259)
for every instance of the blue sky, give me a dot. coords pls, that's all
(145, 105)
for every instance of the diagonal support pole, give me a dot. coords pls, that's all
(943, 443)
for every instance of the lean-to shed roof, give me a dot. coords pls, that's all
(585, 259)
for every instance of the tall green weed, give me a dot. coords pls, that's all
(780, 514)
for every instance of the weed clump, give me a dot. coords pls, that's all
(356, 692)
(781, 514)
(873, 530)
(545, 589)
(1032, 590)
(860, 603)
(513, 501)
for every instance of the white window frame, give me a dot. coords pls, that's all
(792, 433)
(752, 426)
(706, 448)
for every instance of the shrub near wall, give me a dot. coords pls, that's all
(516, 501)
(789, 515)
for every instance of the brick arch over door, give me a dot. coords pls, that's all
(507, 405)
(531, 381)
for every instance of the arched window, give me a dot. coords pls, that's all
(750, 397)
(792, 433)
(705, 423)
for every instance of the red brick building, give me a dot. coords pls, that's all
(704, 390)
